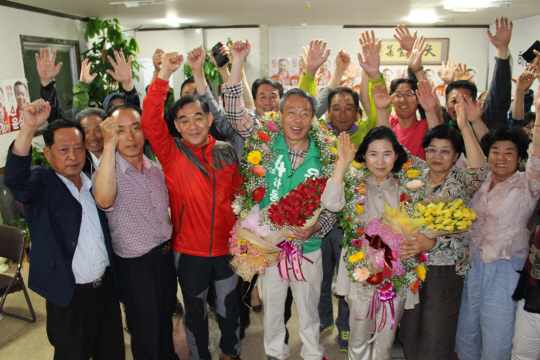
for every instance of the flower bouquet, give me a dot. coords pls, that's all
(263, 237)
(443, 216)
(373, 260)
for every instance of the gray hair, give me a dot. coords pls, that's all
(301, 93)
(90, 112)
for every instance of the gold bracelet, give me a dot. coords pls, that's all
(418, 70)
(536, 125)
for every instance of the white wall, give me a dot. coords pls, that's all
(16, 22)
(288, 41)
(526, 31)
(184, 41)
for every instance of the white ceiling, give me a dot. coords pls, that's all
(203, 13)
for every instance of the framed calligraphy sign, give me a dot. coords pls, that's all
(435, 53)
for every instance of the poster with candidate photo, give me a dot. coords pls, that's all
(13, 97)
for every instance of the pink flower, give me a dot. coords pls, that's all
(422, 257)
(361, 274)
(271, 126)
(265, 147)
(329, 139)
(414, 185)
(357, 243)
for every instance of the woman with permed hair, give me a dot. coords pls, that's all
(499, 243)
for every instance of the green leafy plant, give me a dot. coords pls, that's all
(109, 37)
(38, 157)
(211, 71)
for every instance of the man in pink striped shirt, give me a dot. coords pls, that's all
(131, 190)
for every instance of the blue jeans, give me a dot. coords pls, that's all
(487, 314)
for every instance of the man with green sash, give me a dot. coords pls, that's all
(297, 158)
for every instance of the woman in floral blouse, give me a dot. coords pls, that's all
(499, 243)
(428, 331)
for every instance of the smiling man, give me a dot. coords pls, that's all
(297, 154)
(90, 120)
(71, 248)
(202, 177)
(131, 190)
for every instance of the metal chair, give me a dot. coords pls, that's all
(12, 247)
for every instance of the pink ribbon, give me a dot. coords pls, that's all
(290, 254)
(380, 297)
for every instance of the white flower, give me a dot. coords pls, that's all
(414, 185)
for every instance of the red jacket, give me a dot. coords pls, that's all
(201, 180)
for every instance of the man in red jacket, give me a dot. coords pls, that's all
(202, 177)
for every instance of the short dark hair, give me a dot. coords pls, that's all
(445, 132)
(529, 117)
(48, 133)
(268, 81)
(301, 93)
(396, 82)
(344, 90)
(129, 107)
(189, 80)
(382, 133)
(17, 83)
(90, 112)
(188, 99)
(504, 133)
(462, 84)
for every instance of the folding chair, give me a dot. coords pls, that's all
(12, 247)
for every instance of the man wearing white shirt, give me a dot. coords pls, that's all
(71, 261)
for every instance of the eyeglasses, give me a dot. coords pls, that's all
(407, 95)
(434, 151)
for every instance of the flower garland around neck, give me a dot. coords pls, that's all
(363, 259)
(259, 158)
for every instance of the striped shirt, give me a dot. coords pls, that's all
(139, 219)
(243, 122)
(90, 259)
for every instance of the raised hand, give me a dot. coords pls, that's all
(109, 130)
(404, 37)
(415, 55)
(85, 72)
(346, 150)
(316, 56)
(45, 66)
(122, 69)
(380, 96)
(36, 113)
(461, 112)
(537, 102)
(474, 109)
(370, 59)
(526, 79)
(426, 96)
(171, 63)
(157, 59)
(343, 60)
(447, 73)
(461, 72)
(240, 50)
(195, 59)
(503, 33)
(224, 50)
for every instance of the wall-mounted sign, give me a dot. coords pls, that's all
(435, 53)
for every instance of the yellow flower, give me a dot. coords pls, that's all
(411, 174)
(333, 150)
(421, 272)
(356, 258)
(359, 209)
(254, 157)
(357, 164)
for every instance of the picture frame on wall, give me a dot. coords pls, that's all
(436, 52)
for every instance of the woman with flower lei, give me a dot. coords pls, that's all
(376, 298)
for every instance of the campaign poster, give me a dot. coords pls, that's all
(14, 95)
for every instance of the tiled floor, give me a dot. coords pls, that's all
(20, 340)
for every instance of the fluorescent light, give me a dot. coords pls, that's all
(130, 4)
(173, 20)
(422, 16)
(463, 5)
